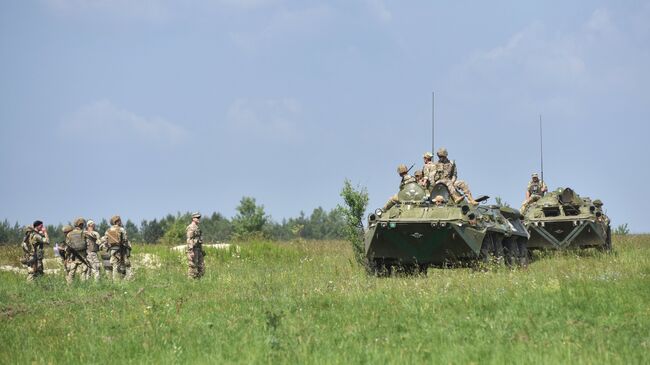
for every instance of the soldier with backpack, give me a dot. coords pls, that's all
(119, 249)
(76, 246)
(35, 236)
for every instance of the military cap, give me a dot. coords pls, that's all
(534, 175)
(115, 219)
(196, 215)
(79, 222)
(402, 169)
(442, 152)
(438, 199)
(428, 155)
(67, 229)
(418, 173)
(598, 203)
(90, 222)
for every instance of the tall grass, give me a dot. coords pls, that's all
(310, 302)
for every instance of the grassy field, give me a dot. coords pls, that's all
(309, 302)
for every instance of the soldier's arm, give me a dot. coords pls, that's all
(454, 173)
(189, 234)
(127, 243)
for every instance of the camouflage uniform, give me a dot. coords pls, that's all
(92, 253)
(119, 249)
(429, 166)
(444, 171)
(76, 240)
(33, 252)
(534, 191)
(406, 179)
(195, 253)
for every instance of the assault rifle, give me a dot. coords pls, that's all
(78, 256)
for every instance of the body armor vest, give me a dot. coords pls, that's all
(93, 246)
(114, 236)
(77, 240)
(535, 188)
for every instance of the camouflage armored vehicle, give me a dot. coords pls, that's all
(417, 232)
(562, 219)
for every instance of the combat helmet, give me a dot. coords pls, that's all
(79, 222)
(442, 152)
(67, 229)
(115, 219)
(598, 203)
(402, 169)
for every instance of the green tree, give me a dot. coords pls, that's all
(250, 220)
(151, 231)
(356, 202)
(132, 231)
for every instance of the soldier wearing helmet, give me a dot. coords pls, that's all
(119, 249)
(444, 171)
(92, 256)
(195, 253)
(76, 246)
(429, 166)
(402, 170)
(439, 201)
(535, 190)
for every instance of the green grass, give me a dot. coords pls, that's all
(309, 302)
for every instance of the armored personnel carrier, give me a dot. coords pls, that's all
(562, 219)
(419, 232)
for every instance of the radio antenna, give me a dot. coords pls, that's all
(433, 120)
(541, 148)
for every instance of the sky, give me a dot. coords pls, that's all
(144, 108)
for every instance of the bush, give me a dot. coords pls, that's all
(622, 230)
(356, 202)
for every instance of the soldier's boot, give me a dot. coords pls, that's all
(470, 198)
(456, 197)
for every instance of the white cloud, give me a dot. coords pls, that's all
(273, 118)
(282, 24)
(379, 10)
(106, 121)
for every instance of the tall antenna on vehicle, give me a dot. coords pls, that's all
(541, 148)
(433, 120)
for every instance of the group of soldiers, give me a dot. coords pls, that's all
(80, 251)
(444, 171)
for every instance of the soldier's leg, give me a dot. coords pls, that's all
(389, 204)
(31, 273)
(462, 186)
(93, 260)
(452, 190)
(73, 265)
(192, 270)
(128, 270)
(200, 262)
(116, 264)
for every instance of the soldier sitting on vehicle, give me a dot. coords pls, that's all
(421, 179)
(402, 170)
(535, 190)
(444, 171)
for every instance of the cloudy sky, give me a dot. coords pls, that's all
(143, 108)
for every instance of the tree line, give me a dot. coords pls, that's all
(251, 221)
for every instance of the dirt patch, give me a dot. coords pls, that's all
(218, 246)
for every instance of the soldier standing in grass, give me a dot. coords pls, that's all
(77, 246)
(35, 236)
(195, 253)
(119, 249)
(93, 247)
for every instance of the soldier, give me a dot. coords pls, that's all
(535, 190)
(429, 166)
(439, 201)
(444, 171)
(35, 236)
(195, 253)
(93, 247)
(421, 180)
(406, 179)
(62, 246)
(76, 248)
(119, 249)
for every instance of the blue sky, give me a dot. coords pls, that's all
(151, 107)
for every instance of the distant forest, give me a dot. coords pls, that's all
(251, 221)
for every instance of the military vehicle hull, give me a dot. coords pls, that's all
(567, 234)
(417, 233)
(563, 220)
(424, 243)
